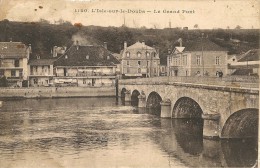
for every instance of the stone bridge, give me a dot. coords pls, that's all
(228, 106)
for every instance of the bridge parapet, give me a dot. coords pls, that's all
(248, 82)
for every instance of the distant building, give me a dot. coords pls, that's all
(139, 60)
(85, 66)
(246, 64)
(13, 62)
(197, 58)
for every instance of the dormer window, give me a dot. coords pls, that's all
(108, 57)
(138, 54)
(127, 54)
(87, 57)
(38, 57)
(66, 57)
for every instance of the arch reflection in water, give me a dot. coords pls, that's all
(240, 152)
(189, 134)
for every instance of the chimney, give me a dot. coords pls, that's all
(30, 48)
(125, 45)
(143, 43)
(105, 45)
(54, 52)
(180, 41)
(77, 44)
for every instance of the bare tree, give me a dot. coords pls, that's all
(196, 26)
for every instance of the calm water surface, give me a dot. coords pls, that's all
(100, 132)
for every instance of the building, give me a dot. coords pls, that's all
(139, 60)
(13, 62)
(41, 66)
(85, 66)
(246, 64)
(197, 58)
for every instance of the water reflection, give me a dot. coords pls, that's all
(100, 131)
(240, 152)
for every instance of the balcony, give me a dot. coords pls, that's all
(85, 74)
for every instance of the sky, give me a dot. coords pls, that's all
(207, 14)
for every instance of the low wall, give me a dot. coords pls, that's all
(55, 92)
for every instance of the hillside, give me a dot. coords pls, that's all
(43, 36)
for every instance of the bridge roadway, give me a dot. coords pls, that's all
(229, 106)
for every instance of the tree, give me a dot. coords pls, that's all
(238, 27)
(196, 26)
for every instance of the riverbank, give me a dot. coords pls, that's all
(57, 92)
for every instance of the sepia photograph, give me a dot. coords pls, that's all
(129, 83)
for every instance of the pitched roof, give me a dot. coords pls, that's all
(205, 43)
(139, 45)
(251, 55)
(13, 49)
(77, 57)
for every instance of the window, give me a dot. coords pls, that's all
(38, 57)
(16, 63)
(147, 54)
(127, 62)
(217, 60)
(127, 70)
(13, 73)
(2, 72)
(87, 57)
(162, 69)
(20, 73)
(198, 60)
(108, 57)
(127, 54)
(139, 70)
(147, 63)
(66, 57)
(154, 70)
(138, 54)
(153, 54)
(139, 62)
(184, 60)
(84, 81)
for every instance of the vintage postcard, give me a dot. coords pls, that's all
(129, 83)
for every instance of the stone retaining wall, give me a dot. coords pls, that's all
(55, 92)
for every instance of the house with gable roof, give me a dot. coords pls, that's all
(86, 65)
(41, 66)
(246, 64)
(13, 62)
(197, 58)
(139, 60)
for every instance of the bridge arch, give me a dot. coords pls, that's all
(122, 94)
(241, 124)
(153, 102)
(134, 98)
(186, 107)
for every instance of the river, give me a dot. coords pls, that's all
(101, 132)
